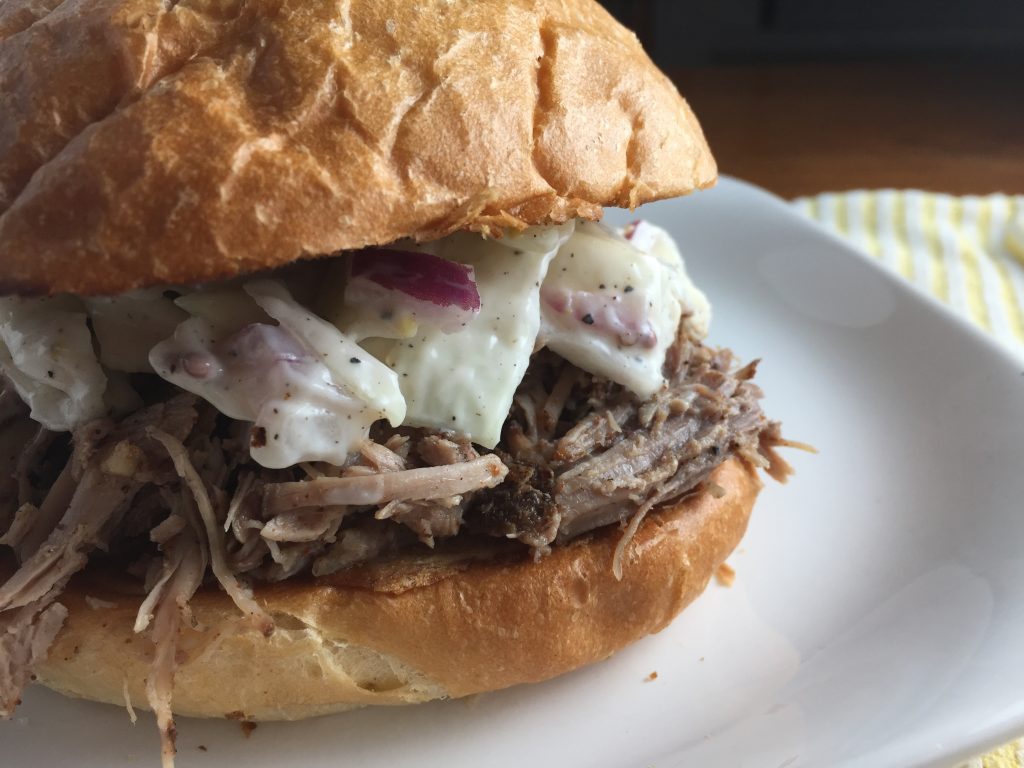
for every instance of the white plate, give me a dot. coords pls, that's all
(878, 614)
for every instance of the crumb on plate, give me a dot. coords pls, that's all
(725, 575)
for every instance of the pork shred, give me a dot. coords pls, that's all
(25, 637)
(172, 490)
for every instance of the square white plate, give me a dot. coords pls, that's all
(878, 614)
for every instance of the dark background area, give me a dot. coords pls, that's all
(807, 96)
(680, 33)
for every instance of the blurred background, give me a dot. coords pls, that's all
(808, 96)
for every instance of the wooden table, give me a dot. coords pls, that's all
(800, 129)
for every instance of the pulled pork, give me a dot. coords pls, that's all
(172, 489)
(25, 637)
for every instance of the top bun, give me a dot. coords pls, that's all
(145, 142)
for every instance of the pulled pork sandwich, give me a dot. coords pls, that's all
(322, 386)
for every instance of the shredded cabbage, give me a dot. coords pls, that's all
(312, 388)
(311, 393)
(611, 306)
(362, 374)
(47, 354)
(465, 381)
(129, 325)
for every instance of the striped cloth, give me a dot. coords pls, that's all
(1008, 756)
(966, 251)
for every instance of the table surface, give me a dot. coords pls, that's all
(801, 129)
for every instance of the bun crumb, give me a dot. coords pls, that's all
(725, 575)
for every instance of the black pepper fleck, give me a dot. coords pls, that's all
(628, 289)
(354, 360)
(588, 319)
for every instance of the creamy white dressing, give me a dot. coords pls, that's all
(465, 381)
(313, 387)
(46, 352)
(351, 368)
(129, 325)
(359, 321)
(612, 308)
(225, 309)
(311, 394)
(656, 241)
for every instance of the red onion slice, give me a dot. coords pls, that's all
(433, 290)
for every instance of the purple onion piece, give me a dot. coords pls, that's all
(421, 276)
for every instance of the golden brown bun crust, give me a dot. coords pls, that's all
(486, 627)
(146, 142)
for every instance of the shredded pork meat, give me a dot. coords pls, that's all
(25, 637)
(240, 593)
(382, 487)
(173, 490)
(166, 606)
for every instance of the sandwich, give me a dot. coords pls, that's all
(323, 383)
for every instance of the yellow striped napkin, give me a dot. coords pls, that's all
(965, 251)
(1009, 756)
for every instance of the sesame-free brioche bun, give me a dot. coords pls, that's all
(144, 142)
(408, 639)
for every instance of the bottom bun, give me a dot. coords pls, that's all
(477, 627)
